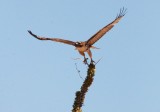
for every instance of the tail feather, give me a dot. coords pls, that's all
(94, 47)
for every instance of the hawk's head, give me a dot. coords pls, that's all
(78, 44)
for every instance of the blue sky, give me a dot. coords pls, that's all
(38, 76)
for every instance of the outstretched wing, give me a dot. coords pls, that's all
(105, 29)
(53, 39)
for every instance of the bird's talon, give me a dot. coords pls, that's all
(92, 61)
(85, 61)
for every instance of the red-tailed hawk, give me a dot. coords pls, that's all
(85, 46)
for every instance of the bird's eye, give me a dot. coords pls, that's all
(77, 43)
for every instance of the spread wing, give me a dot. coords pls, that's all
(53, 39)
(105, 29)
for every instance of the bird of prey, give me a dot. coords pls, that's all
(85, 46)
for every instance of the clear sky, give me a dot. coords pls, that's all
(38, 76)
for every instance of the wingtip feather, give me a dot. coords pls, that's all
(122, 12)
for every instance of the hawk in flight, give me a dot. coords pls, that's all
(85, 46)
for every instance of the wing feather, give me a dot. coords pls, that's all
(105, 29)
(53, 39)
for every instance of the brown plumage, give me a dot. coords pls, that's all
(86, 45)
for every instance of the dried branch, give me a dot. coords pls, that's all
(79, 72)
(80, 95)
